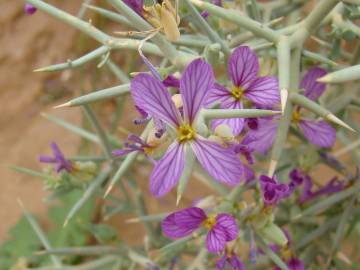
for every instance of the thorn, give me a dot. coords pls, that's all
(108, 191)
(325, 79)
(66, 222)
(19, 201)
(39, 70)
(178, 198)
(272, 167)
(132, 220)
(283, 97)
(67, 104)
(338, 121)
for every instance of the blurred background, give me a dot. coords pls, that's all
(30, 42)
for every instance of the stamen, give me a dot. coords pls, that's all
(296, 117)
(186, 133)
(210, 222)
(237, 92)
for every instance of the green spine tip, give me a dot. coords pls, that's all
(108, 190)
(178, 199)
(272, 167)
(133, 220)
(284, 94)
(325, 79)
(39, 70)
(331, 117)
(67, 104)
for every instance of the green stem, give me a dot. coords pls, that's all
(99, 130)
(234, 16)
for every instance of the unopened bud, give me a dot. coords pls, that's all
(224, 131)
(177, 99)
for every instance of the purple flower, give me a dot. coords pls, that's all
(171, 81)
(273, 191)
(317, 132)
(136, 5)
(135, 143)
(243, 69)
(297, 177)
(221, 228)
(151, 96)
(29, 9)
(58, 159)
(232, 260)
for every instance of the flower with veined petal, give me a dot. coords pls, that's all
(221, 228)
(243, 68)
(151, 96)
(61, 163)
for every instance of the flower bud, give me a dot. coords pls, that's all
(224, 131)
(273, 234)
(177, 99)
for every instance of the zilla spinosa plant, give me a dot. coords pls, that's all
(249, 97)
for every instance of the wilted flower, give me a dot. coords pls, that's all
(298, 177)
(221, 228)
(29, 9)
(58, 159)
(151, 96)
(243, 69)
(273, 191)
(318, 132)
(162, 16)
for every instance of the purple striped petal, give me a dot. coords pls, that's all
(195, 85)
(236, 263)
(236, 124)
(221, 163)
(183, 222)
(262, 138)
(150, 95)
(318, 132)
(243, 66)
(218, 93)
(228, 224)
(264, 91)
(215, 240)
(313, 89)
(220, 264)
(167, 170)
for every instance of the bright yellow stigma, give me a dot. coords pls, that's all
(186, 133)
(237, 92)
(296, 117)
(210, 222)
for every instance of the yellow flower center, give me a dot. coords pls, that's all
(149, 150)
(186, 133)
(237, 92)
(210, 222)
(296, 117)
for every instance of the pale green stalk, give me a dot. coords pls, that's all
(99, 130)
(40, 234)
(235, 113)
(344, 75)
(239, 19)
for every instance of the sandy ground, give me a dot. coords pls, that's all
(28, 42)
